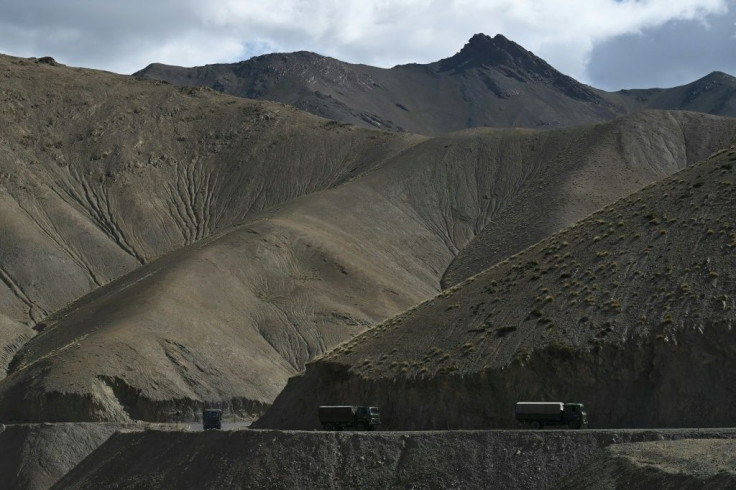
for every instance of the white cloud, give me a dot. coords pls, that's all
(126, 36)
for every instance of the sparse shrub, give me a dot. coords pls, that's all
(560, 351)
(503, 331)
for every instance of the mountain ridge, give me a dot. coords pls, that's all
(491, 81)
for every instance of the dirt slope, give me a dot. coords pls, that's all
(274, 459)
(689, 463)
(36, 456)
(228, 319)
(101, 173)
(490, 82)
(630, 311)
(588, 174)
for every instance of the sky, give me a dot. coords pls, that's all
(610, 44)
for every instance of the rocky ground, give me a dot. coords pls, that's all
(276, 459)
(685, 464)
(35, 456)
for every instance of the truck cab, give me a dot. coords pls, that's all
(575, 415)
(369, 416)
(211, 419)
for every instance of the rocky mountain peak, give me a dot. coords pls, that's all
(483, 50)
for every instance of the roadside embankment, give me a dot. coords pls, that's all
(300, 459)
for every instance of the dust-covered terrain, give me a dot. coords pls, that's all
(687, 463)
(429, 460)
(35, 456)
(229, 318)
(489, 82)
(631, 311)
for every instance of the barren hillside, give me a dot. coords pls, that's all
(37, 456)
(100, 173)
(489, 82)
(341, 229)
(630, 311)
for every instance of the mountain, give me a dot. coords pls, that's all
(100, 174)
(229, 318)
(630, 311)
(170, 247)
(713, 94)
(490, 82)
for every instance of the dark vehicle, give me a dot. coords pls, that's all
(539, 414)
(349, 417)
(211, 419)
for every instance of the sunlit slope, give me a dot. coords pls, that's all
(100, 173)
(630, 311)
(594, 169)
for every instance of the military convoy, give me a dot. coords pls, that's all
(540, 414)
(341, 417)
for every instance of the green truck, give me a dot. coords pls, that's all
(540, 414)
(341, 417)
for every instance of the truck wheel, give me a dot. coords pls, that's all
(573, 425)
(361, 426)
(338, 427)
(328, 427)
(536, 425)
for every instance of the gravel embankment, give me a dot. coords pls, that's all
(296, 459)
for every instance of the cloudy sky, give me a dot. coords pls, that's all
(610, 44)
